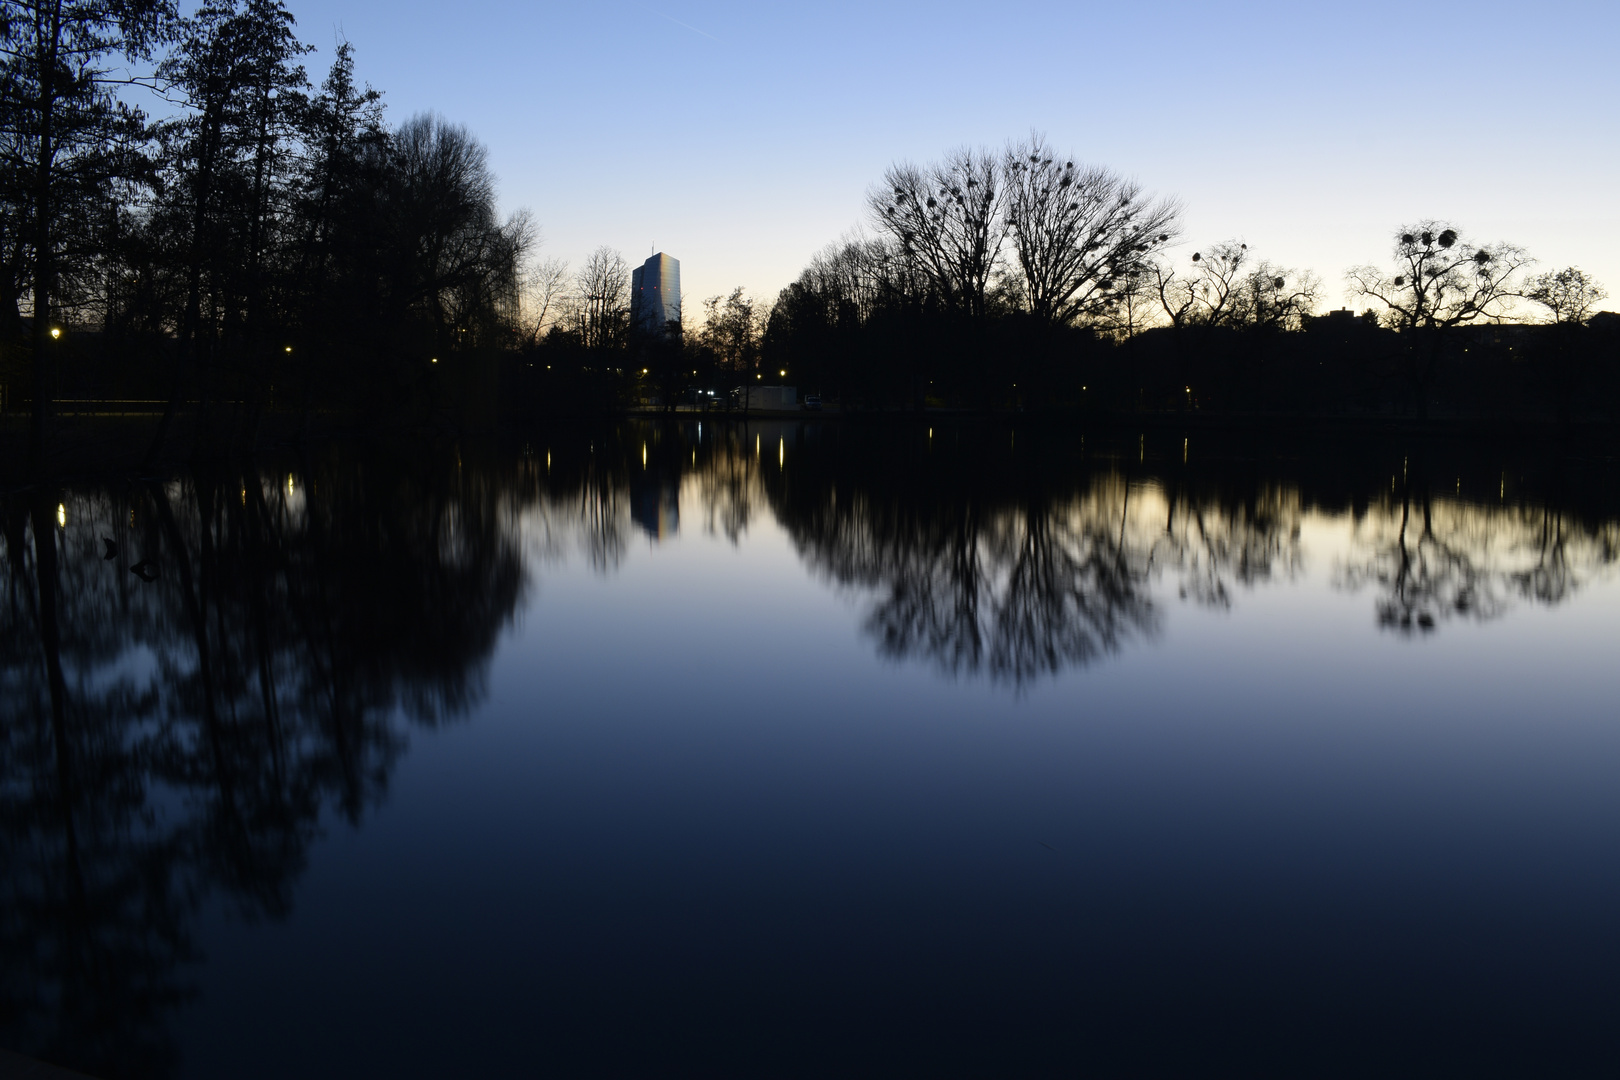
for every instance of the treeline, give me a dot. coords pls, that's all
(254, 240)
(246, 241)
(1023, 279)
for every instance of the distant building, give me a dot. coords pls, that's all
(767, 397)
(655, 295)
(1342, 319)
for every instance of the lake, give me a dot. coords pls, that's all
(790, 749)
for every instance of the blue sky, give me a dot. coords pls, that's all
(741, 138)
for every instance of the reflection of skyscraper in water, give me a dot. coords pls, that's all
(655, 294)
(655, 504)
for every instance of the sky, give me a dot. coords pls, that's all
(742, 138)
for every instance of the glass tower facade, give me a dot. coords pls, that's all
(655, 294)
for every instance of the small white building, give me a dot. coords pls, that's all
(769, 397)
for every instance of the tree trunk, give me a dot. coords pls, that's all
(47, 40)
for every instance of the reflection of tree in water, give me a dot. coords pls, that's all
(1014, 569)
(1564, 551)
(165, 739)
(1211, 542)
(1012, 592)
(1431, 559)
(1014, 564)
(727, 481)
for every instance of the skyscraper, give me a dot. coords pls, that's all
(655, 295)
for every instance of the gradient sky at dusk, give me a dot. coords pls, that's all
(742, 138)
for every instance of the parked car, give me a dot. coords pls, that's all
(812, 403)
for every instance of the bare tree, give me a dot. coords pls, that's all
(1272, 297)
(1135, 304)
(455, 262)
(1079, 232)
(602, 299)
(1226, 287)
(1569, 295)
(1441, 280)
(854, 278)
(1209, 292)
(545, 285)
(948, 218)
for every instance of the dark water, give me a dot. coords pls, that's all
(797, 751)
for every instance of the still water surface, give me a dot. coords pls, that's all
(799, 751)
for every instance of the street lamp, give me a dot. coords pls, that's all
(56, 332)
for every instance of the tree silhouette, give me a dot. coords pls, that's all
(1078, 232)
(1013, 586)
(948, 218)
(1431, 560)
(1440, 281)
(71, 137)
(602, 300)
(1569, 295)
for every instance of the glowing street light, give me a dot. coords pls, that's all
(56, 332)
